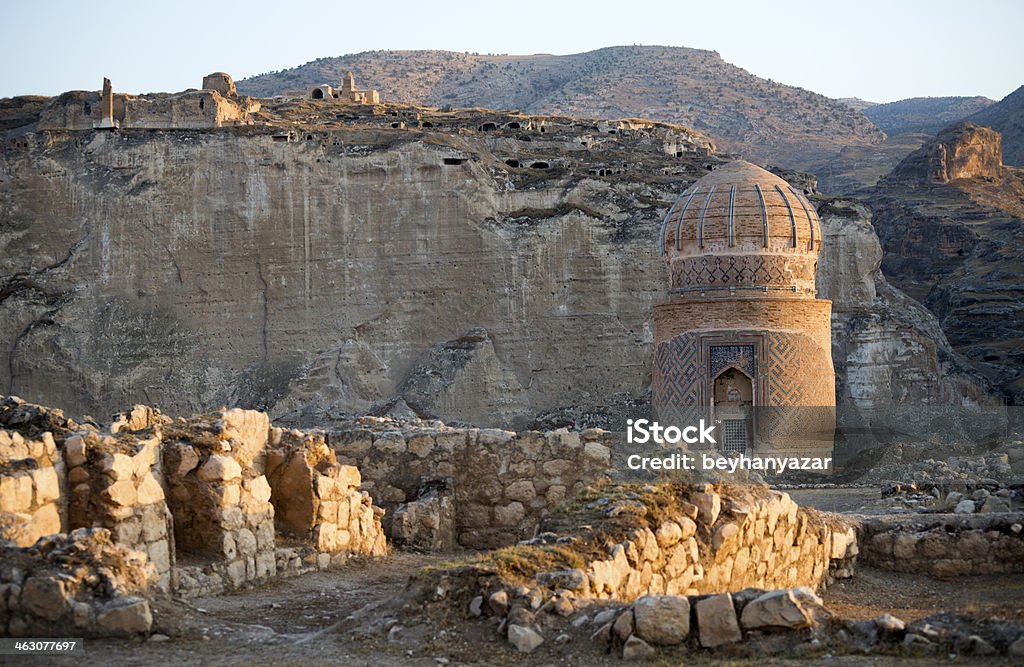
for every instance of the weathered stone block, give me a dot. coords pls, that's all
(391, 442)
(662, 619)
(74, 451)
(121, 493)
(46, 520)
(259, 487)
(524, 638)
(349, 476)
(46, 597)
(522, 491)
(220, 469)
(47, 485)
(125, 617)
(420, 444)
(709, 506)
(149, 491)
(716, 621)
(787, 608)
(117, 466)
(509, 515)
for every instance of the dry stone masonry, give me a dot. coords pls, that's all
(30, 490)
(945, 546)
(479, 488)
(194, 500)
(115, 482)
(671, 540)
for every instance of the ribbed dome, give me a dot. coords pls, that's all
(741, 228)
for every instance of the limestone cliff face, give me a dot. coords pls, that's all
(894, 366)
(891, 348)
(194, 269)
(962, 151)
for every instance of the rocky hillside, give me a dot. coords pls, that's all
(951, 221)
(857, 103)
(476, 266)
(923, 114)
(763, 120)
(908, 124)
(1007, 117)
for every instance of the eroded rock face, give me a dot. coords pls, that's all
(965, 150)
(464, 380)
(889, 351)
(355, 262)
(323, 277)
(950, 230)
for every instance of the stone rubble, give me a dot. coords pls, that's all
(80, 583)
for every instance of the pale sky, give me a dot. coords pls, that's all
(879, 51)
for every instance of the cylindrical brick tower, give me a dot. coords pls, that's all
(742, 339)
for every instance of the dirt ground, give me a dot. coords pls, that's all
(352, 616)
(348, 616)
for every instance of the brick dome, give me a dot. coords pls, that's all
(741, 229)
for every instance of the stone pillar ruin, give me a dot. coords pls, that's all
(115, 483)
(106, 119)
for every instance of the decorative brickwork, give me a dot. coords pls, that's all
(742, 247)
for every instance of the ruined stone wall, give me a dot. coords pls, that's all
(223, 519)
(945, 546)
(317, 499)
(116, 483)
(31, 476)
(188, 110)
(720, 544)
(189, 496)
(702, 540)
(502, 482)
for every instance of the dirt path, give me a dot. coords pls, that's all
(911, 596)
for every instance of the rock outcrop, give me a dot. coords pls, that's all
(963, 151)
(949, 220)
(1007, 117)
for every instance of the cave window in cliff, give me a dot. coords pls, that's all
(512, 163)
(318, 94)
(540, 165)
(309, 137)
(513, 126)
(524, 137)
(426, 123)
(488, 127)
(454, 160)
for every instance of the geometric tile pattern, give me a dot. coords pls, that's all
(786, 369)
(721, 357)
(754, 270)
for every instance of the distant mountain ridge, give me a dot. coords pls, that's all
(765, 121)
(924, 114)
(1007, 118)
